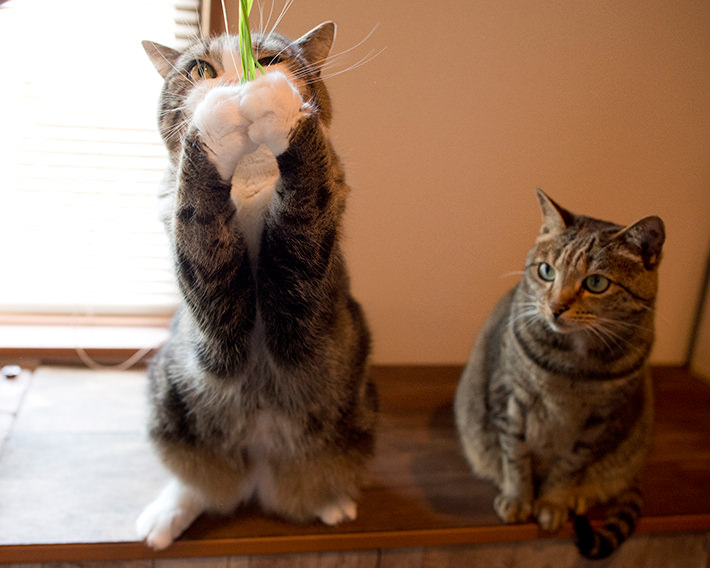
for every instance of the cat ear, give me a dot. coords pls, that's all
(555, 219)
(316, 44)
(162, 57)
(647, 237)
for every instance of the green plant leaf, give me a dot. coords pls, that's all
(250, 65)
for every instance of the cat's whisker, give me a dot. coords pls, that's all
(174, 68)
(656, 314)
(176, 130)
(364, 61)
(285, 9)
(607, 335)
(328, 62)
(263, 24)
(200, 32)
(601, 336)
(226, 28)
(619, 323)
(334, 60)
(320, 67)
(173, 109)
(358, 44)
(528, 315)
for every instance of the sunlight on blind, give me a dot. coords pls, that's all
(80, 159)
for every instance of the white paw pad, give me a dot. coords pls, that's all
(273, 106)
(338, 512)
(223, 128)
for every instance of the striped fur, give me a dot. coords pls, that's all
(620, 523)
(555, 404)
(262, 390)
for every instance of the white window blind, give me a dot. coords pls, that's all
(80, 157)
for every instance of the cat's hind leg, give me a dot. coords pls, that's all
(165, 519)
(321, 488)
(201, 483)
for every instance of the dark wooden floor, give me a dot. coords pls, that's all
(420, 492)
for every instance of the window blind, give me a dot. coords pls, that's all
(81, 160)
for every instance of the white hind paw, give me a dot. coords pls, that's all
(338, 512)
(168, 516)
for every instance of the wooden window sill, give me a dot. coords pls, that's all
(60, 339)
(75, 471)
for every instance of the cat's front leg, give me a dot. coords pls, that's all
(210, 251)
(514, 503)
(560, 492)
(273, 106)
(552, 509)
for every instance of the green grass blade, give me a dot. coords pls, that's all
(249, 63)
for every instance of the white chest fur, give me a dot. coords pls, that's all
(252, 192)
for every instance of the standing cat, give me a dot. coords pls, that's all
(262, 390)
(555, 404)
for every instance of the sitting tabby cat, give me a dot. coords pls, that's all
(262, 390)
(555, 404)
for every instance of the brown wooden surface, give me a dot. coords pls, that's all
(421, 481)
(421, 492)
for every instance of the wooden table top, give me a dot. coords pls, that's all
(421, 492)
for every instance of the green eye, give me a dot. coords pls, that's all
(596, 283)
(202, 70)
(546, 272)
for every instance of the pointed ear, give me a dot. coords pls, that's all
(162, 57)
(647, 237)
(555, 219)
(316, 44)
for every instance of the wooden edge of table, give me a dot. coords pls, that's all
(337, 541)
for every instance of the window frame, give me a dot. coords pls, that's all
(54, 333)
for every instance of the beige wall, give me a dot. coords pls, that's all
(473, 104)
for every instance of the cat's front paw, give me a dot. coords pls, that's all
(550, 515)
(223, 128)
(274, 107)
(338, 512)
(512, 509)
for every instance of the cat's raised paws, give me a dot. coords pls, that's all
(273, 106)
(338, 512)
(223, 128)
(512, 509)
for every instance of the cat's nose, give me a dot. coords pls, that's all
(559, 309)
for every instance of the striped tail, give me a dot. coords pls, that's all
(621, 521)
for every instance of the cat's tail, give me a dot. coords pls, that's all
(600, 542)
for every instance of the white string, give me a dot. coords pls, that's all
(124, 366)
